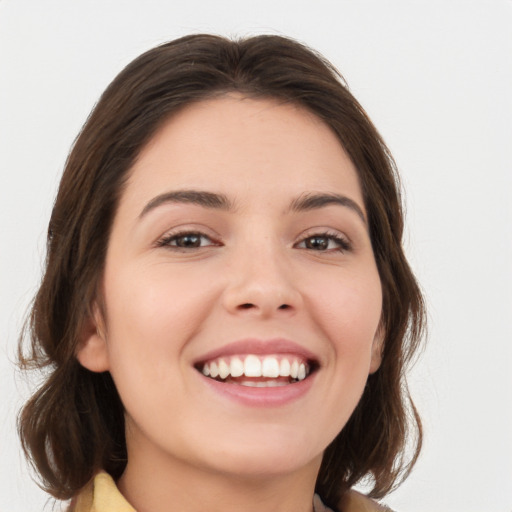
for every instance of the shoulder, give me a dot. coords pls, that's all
(354, 501)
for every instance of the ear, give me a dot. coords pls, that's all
(377, 348)
(92, 352)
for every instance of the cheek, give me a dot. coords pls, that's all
(350, 310)
(349, 313)
(151, 314)
(149, 321)
(154, 300)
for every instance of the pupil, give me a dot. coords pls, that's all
(317, 242)
(188, 241)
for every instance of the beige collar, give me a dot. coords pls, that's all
(101, 495)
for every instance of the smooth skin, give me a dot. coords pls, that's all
(185, 276)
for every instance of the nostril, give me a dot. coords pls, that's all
(250, 305)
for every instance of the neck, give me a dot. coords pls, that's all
(167, 485)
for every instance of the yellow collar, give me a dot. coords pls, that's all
(101, 495)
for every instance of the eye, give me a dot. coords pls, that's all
(324, 242)
(187, 240)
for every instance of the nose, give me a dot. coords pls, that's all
(261, 284)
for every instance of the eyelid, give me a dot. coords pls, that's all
(181, 231)
(343, 241)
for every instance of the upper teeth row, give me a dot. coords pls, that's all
(254, 366)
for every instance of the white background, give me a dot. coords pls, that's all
(435, 77)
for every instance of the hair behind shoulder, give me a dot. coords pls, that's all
(73, 425)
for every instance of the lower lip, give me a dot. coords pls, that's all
(261, 397)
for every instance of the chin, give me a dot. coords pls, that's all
(264, 465)
(276, 453)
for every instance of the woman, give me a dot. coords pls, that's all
(226, 310)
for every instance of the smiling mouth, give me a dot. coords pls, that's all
(257, 370)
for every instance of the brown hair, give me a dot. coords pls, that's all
(74, 424)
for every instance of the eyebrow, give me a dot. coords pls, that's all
(305, 202)
(313, 201)
(200, 198)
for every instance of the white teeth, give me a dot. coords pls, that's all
(214, 369)
(262, 384)
(252, 366)
(237, 367)
(275, 383)
(250, 383)
(294, 370)
(270, 367)
(223, 369)
(284, 368)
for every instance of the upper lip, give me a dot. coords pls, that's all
(258, 347)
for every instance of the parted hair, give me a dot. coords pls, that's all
(73, 425)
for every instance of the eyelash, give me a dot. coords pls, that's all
(168, 240)
(343, 245)
(171, 241)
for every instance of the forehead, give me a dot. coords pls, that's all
(239, 145)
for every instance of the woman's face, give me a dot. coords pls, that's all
(240, 250)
